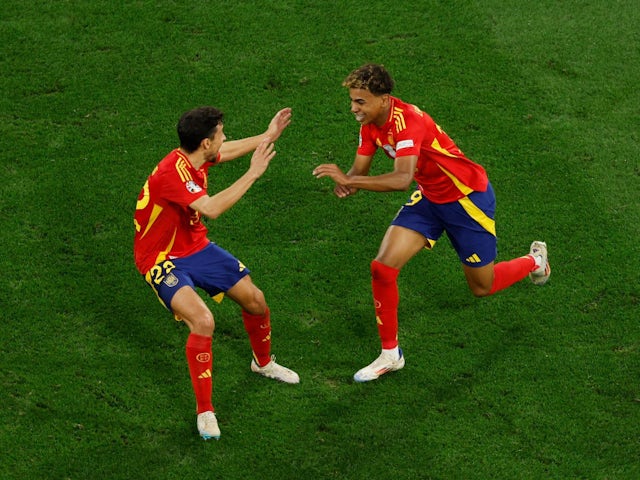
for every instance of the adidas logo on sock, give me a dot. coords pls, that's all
(205, 374)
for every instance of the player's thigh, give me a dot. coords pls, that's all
(248, 296)
(399, 245)
(187, 305)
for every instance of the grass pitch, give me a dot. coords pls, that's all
(532, 383)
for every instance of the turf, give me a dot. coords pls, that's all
(531, 383)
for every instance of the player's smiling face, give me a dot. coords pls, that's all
(369, 108)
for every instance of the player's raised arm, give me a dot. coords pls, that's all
(222, 201)
(233, 149)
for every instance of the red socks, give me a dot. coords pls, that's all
(259, 329)
(506, 274)
(200, 362)
(385, 299)
(200, 358)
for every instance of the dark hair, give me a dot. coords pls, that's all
(372, 77)
(196, 125)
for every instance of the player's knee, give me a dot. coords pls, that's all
(203, 323)
(480, 290)
(382, 272)
(257, 305)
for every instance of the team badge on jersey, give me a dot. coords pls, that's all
(170, 280)
(193, 187)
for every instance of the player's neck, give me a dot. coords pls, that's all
(383, 118)
(385, 113)
(196, 159)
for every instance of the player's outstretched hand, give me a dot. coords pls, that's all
(332, 171)
(278, 123)
(262, 157)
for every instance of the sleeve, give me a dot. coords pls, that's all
(366, 143)
(410, 136)
(181, 189)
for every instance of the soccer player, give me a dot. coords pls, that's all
(172, 251)
(453, 195)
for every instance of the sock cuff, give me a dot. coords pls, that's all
(250, 316)
(199, 341)
(380, 271)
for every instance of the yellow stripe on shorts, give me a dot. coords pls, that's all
(478, 215)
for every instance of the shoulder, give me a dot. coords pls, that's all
(409, 111)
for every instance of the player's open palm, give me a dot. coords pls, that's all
(262, 157)
(278, 123)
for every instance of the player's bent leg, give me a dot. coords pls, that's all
(191, 309)
(398, 246)
(187, 305)
(248, 296)
(479, 279)
(256, 317)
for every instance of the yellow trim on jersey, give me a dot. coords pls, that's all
(459, 185)
(183, 170)
(157, 209)
(436, 146)
(162, 256)
(398, 118)
(478, 215)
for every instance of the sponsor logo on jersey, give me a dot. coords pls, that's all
(193, 187)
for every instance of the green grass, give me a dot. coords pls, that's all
(532, 383)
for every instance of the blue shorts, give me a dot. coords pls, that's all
(212, 269)
(469, 223)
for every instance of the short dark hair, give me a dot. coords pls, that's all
(372, 77)
(196, 125)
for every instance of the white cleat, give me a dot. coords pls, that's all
(540, 275)
(208, 425)
(275, 371)
(381, 365)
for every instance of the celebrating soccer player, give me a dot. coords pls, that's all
(453, 195)
(172, 251)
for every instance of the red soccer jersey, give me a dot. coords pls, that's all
(166, 227)
(443, 173)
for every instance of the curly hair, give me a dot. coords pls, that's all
(372, 77)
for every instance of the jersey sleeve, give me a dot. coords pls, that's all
(366, 142)
(409, 133)
(178, 186)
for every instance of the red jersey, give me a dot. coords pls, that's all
(443, 173)
(166, 227)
